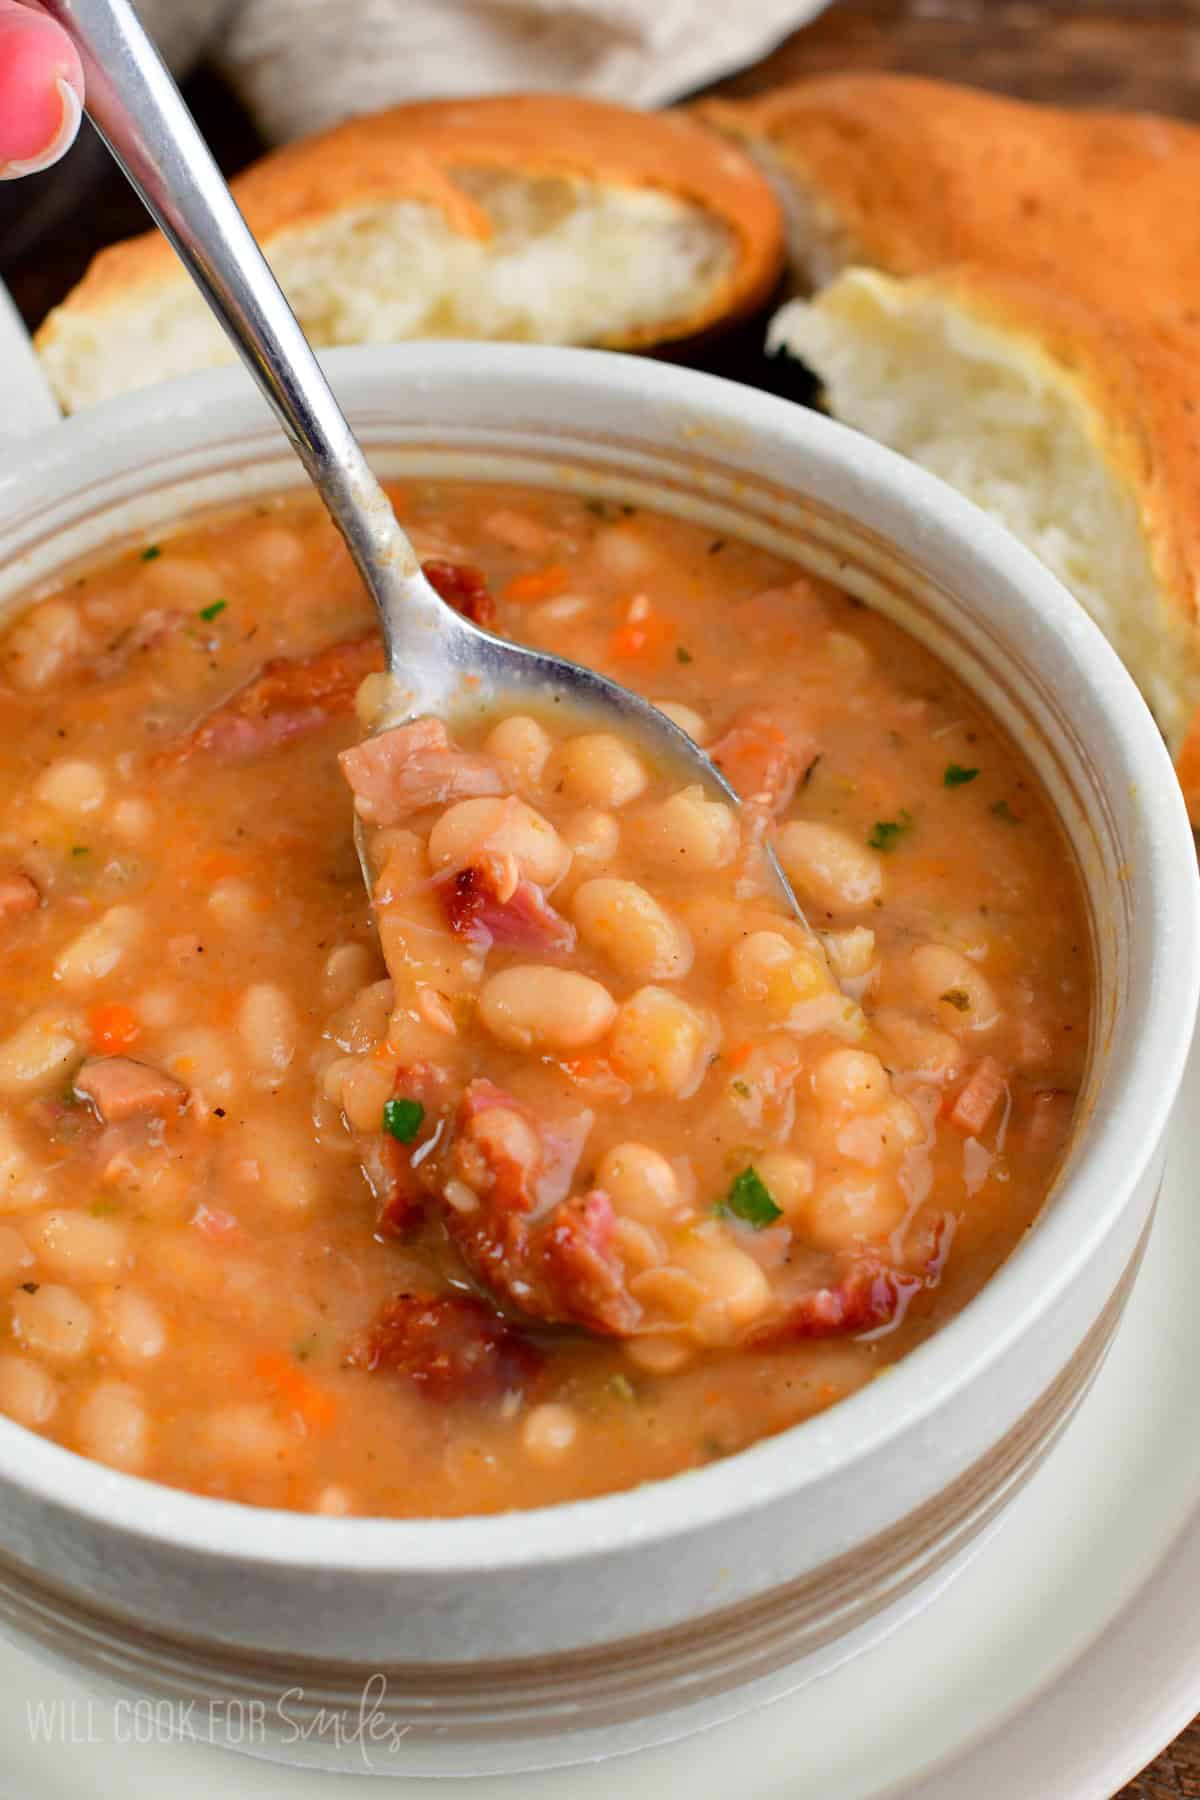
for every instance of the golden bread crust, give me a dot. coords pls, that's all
(411, 153)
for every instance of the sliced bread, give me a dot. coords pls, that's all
(541, 217)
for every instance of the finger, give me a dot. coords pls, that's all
(41, 91)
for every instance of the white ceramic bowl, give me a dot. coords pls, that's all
(545, 1636)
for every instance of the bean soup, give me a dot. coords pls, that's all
(570, 1158)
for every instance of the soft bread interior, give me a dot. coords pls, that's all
(991, 413)
(568, 261)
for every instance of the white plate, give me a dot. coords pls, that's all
(1058, 1662)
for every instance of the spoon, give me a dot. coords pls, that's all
(439, 661)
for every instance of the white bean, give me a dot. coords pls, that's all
(687, 719)
(636, 934)
(234, 904)
(788, 1178)
(72, 787)
(54, 1321)
(827, 867)
(28, 1393)
(734, 1290)
(777, 975)
(133, 819)
(522, 747)
(203, 1060)
(268, 1029)
(98, 949)
(851, 1080)
(599, 769)
(548, 1432)
(688, 834)
(75, 1244)
(38, 1054)
(640, 1182)
(347, 969)
(661, 1044)
(136, 1327)
(843, 1213)
(961, 996)
(15, 1254)
(537, 1006)
(593, 838)
(44, 642)
(111, 1426)
(247, 1434)
(505, 828)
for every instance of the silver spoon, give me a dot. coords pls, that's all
(438, 660)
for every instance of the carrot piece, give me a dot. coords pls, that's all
(538, 584)
(114, 1028)
(295, 1390)
(642, 638)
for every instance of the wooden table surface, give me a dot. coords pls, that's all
(1117, 53)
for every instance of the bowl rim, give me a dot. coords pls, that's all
(1129, 1127)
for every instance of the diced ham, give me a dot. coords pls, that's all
(287, 699)
(482, 907)
(868, 1295)
(551, 1258)
(17, 895)
(979, 1097)
(414, 766)
(118, 1088)
(451, 1347)
(762, 761)
(399, 1190)
(583, 1267)
(463, 587)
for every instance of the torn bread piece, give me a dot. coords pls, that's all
(544, 218)
(1078, 432)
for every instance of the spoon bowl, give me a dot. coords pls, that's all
(440, 663)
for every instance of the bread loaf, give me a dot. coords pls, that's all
(542, 217)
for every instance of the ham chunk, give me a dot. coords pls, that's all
(463, 587)
(549, 1257)
(485, 907)
(288, 698)
(119, 1088)
(411, 767)
(17, 895)
(978, 1099)
(762, 761)
(451, 1347)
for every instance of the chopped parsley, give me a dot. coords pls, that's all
(1003, 810)
(209, 613)
(152, 552)
(886, 833)
(402, 1119)
(81, 849)
(957, 776)
(741, 1088)
(683, 654)
(749, 1199)
(958, 998)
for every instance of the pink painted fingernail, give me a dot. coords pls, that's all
(71, 112)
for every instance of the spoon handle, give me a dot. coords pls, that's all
(139, 112)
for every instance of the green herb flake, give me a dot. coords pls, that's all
(886, 833)
(957, 776)
(623, 1388)
(152, 552)
(683, 654)
(305, 1348)
(209, 613)
(81, 850)
(741, 1088)
(402, 1119)
(1002, 810)
(958, 998)
(749, 1199)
